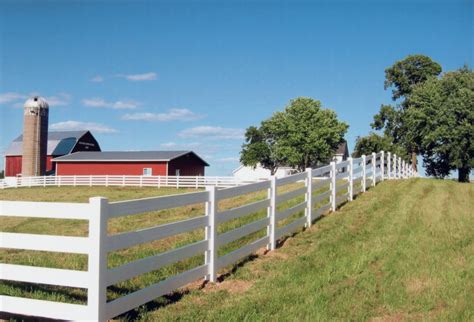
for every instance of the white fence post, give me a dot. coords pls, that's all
(374, 169)
(382, 164)
(97, 263)
(394, 165)
(389, 170)
(211, 256)
(351, 179)
(273, 192)
(309, 196)
(399, 167)
(333, 186)
(364, 175)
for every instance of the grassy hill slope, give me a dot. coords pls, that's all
(402, 251)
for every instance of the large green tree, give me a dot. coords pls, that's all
(375, 143)
(303, 135)
(441, 122)
(403, 77)
(260, 148)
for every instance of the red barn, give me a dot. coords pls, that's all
(59, 143)
(148, 163)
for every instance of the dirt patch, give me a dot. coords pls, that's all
(278, 254)
(403, 316)
(231, 286)
(418, 285)
(399, 316)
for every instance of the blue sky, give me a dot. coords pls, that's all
(193, 75)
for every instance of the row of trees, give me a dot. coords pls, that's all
(432, 116)
(303, 135)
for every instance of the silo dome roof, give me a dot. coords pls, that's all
(36, 102)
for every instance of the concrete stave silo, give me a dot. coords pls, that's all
(35, 136)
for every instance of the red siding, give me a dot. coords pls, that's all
(13, 165)
(49, 163)
(188, 166)
(109, 168)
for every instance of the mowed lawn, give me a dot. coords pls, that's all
(116, 226)
(404, 250)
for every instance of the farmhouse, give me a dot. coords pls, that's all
(59, 143)
(250, 173)
(147, 163)
(341, 153)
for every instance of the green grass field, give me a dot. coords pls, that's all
(404, 250)
(123, 224)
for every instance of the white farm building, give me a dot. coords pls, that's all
(249, 173)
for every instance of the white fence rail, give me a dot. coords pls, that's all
(123, 181)
(317, 191)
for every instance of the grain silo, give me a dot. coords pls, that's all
(35, 137)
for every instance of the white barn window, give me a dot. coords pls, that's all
(147, 172)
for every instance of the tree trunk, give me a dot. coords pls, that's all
(414, 162)
(273, 170)
(463, 174)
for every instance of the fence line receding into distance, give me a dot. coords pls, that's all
(318, 191)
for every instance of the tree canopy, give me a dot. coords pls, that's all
(405, 74)
(303, 135)
(441, 123)
(375, 143)
(403, 77)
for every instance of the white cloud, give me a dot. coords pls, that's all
(212, 132)
(180, 146)
(139, 77)
(203, 149)
(11, 97)
(229, 159)
(174, 114)
(119, 105)
(97, 79)
(62, 99)
(76, 125)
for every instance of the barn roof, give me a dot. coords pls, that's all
(109, 156)
(59, 143)
(342, 149)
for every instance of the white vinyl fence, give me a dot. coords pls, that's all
(123, 181)
(323, 190)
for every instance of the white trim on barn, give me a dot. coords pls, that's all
(257, 173)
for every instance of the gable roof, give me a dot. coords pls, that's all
(59, 143)
(112, 156)
(342, 149)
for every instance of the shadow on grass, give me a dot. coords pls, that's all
(156, 304)
(17, 317)
(70, 294)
